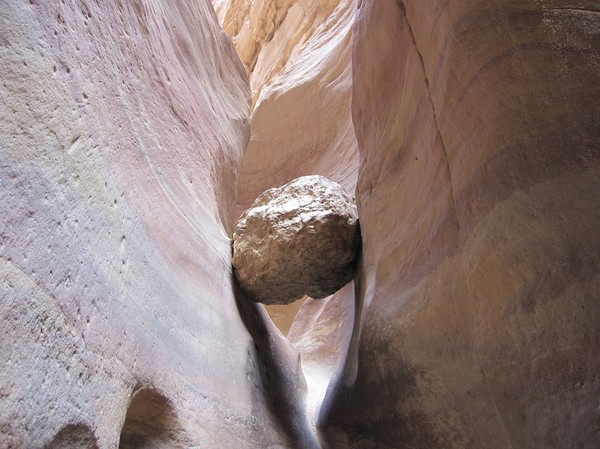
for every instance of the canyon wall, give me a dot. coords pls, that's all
(123, 127)
(478, 319)
(298, 56)
(470, 130)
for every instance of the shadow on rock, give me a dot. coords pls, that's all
(282, 383)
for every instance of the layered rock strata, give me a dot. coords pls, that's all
(299, 239)
(475, 322)
(478, 321)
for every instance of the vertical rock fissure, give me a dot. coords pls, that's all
(307, 51)
(302, 238)
(435, 115)
(452, 190)
(278, 373)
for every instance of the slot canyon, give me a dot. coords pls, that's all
(134, 133)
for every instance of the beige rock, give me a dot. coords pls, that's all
(301, 92)
(300, 239)
(474, 320)
(478, 319)
(283, 315)
(301, 86)
(269, 35)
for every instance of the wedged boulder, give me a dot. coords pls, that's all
(299, 239)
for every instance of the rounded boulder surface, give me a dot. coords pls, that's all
(299, 239)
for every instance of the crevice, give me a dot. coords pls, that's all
(74, 436)
(435, 115)
(150, 423)
(282, 388)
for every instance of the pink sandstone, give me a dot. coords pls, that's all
(123, 126)
(478, 324)
(473, 321)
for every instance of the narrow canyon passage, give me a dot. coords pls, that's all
(298, 59)
(465, 188)
(134, 133)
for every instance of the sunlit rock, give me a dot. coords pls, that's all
(298, 55)
(302, 238)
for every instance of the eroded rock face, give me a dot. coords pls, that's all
(123, 127)
(301, 238)
(478, 314)
(300, 72)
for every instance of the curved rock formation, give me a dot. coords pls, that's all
(299, 239)
(301, 83)
(480, 321)
(123, 126)
(269, 35)
(473, 321)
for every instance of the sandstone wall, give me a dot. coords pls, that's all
(479, 320)
(298, 56)
(123, 126)
(476, 320)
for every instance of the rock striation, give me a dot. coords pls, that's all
(478, 320)
(298, 57)
(471, 131)
(299, 239)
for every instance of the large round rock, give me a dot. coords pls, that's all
(299, 239)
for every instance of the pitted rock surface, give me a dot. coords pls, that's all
(299, 239)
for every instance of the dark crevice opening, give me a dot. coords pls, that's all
(74, 436)
(150, 423)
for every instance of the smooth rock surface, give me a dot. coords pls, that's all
(473, 321)
(122, 131)
(321, 331)
(299, 239)
(478, 320)
(299, 64)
